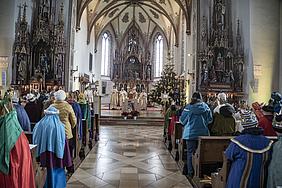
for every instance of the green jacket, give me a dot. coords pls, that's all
(222, 126)
(10, 130)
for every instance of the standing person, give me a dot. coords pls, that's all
(67, 117)
(77, 131)
(195, 118)
(275, 168)
(21, 114)
(249, 154)
(53, 151)
(114, 99)
(143, 100)
(16, 168)
(33, 108)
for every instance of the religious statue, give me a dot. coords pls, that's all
(114, 99)
(123, 100)
(213, 77)
(205, 73)
(136, 75)
(148, 73)
(22, 69)
(143, 100)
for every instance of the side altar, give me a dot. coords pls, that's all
(220, 58)
(39, 50)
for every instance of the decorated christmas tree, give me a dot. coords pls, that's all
(168, 88)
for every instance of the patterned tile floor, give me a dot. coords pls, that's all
(129, 157)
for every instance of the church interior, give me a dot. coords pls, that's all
(140, 93)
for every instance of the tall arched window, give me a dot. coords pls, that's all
(106, 47)
(159, 51)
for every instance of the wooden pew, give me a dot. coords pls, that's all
(175, 138)
(219, 179)
(182, 148)
(208, 158)
(96, 127)
(39, 172)
(28, 136)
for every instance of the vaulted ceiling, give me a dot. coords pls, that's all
(148, 15)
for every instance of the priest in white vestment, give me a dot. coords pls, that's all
(114, 99)
(123, 100)
(143, 100)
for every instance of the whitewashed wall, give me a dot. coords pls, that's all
(265, 44)
(82, 51)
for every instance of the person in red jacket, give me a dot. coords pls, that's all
(265, 113)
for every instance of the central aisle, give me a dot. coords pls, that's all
(129, 157)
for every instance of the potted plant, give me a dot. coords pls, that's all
(134, 114)
(124, 114)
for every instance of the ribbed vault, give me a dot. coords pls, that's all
(149, 15)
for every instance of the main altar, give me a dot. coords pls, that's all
(132, 66)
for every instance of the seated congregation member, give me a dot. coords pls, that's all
(224, 122)
(248, 153)
(275, 168)
(67, 117)
(266, 112)
(85, 108)
(33, 108)
(16, 170)
(195, 118)
(264, 115)
(21, 114)
(53, 151)
(77, 110)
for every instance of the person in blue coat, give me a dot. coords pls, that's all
(249, 155)
(195, 118)
(21, 115)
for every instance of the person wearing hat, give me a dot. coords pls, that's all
(224, 122)
(21, 114)
(195, 118)
(249, 154)
(264, 115)
(33, 108)
(52, 151)
(67, 117)
(274, 178)
(16, 169)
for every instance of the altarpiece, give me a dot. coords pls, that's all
(39, 53)
(132, 66)
(220, 59)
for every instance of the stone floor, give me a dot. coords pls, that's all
(129, 157)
